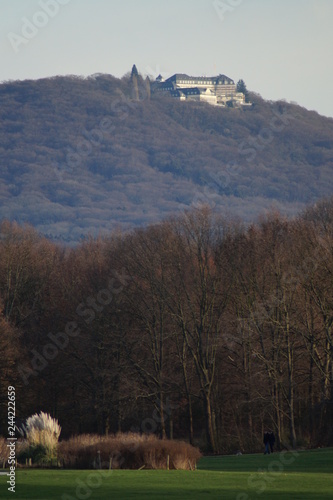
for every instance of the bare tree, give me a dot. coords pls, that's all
(198, 297)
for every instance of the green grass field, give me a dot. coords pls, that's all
(304, 475)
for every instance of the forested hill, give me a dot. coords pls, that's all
(83, 155)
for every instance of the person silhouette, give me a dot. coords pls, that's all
(271, 440)
(266, 443)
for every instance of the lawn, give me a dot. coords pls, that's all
(302, 476)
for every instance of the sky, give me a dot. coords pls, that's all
(282, 49)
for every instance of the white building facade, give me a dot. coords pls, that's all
(216, 90)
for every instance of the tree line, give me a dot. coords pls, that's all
(197, 327)
(103, 131)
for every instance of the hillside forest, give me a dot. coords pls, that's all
(196, 327)
(83, 156)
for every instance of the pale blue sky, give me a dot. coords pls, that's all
(281, 48)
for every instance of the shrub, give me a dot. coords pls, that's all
(3, 451)
(42, 433)
(43, 429)
(127, 451)
(38, 454)
(73, 452)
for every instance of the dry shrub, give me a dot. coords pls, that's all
(127, 451)
(41, 429)
(73, 452)
(21, 446)
(3, 450)
(181, 455)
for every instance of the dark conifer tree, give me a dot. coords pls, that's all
(134, 81)
(134, 72)
(241, 87)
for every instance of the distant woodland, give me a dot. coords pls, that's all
(196, 327)
(83, 156)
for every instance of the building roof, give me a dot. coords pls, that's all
(177, 76)
(163, 85)
(214, 80)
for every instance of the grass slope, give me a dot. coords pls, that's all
(302, 476)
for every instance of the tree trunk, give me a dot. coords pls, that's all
(162, 418)
(310, 394)
(278, 423)
(211, 442)
(190, 419)
(171, 427)
(291, 391)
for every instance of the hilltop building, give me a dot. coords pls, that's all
(216, 90)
